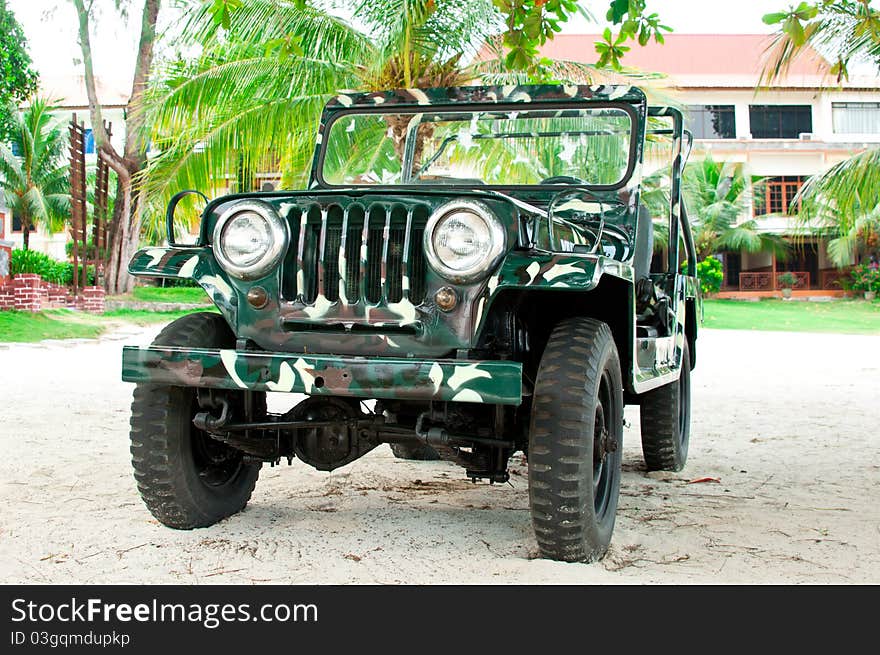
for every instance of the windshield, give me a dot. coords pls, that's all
(590, 145)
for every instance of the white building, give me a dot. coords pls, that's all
(801, 126)
(69, 94)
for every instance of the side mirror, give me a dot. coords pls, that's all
(169, 217)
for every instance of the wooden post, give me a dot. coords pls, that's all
(773, 274)
(78, 219)
(99, 219)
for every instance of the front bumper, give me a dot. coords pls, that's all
(497, 382)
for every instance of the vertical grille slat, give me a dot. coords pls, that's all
(321, 260)
(364, 257)
(300, 257)
(405, 258)
(375, 248)
(357, 254)
(332, 248)
(383, 267)
(342, 268)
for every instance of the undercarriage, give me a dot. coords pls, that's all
(330, 432)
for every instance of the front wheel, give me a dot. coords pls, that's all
(575, 442)
(186, 478)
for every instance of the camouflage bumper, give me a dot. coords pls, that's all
(491, 382)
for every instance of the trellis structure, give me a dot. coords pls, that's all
(79, 207)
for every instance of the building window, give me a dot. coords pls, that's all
(856, 117)
(775, 195)
(16, 149)
(16, 221)
(780, 121)
(89, 141)
(712, 121)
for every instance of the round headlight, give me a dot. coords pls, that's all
(249, 239)
(464, 240)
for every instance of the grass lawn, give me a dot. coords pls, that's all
(27, 327)
(841, 316)
(170, 294)
(21, 327)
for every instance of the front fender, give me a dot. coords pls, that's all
(530, 270)
(188, 263)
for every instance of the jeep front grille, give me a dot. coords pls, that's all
(357, 254)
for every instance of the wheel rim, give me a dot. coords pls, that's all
(216, 463)
(605, 448)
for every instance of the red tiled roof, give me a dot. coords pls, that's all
(698, 60)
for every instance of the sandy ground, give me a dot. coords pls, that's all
(787, 422)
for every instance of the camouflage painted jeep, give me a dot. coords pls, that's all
(472, 272)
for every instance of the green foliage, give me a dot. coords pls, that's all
(31, 261)
(51, 270)
(865, 277)
(710, 274)
(635, 24)
(35, 184)
(233, 107)
(529, 24)
(787, 280)
(17, 78)
(841, 30)
(793, 21)
(717, 197)
(844, 201)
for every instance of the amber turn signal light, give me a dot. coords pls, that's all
(257, 297)
(446, 298)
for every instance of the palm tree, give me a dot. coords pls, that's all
(235, 108)
(717, 196)
(844, 201)
(33, 177)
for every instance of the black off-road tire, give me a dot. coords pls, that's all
(666, 421)
(420, 452)
(575, 442)
(186, 479)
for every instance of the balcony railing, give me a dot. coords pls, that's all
(767, 281)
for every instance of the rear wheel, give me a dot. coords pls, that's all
(186, 478)
(666, 421)
(575, 442)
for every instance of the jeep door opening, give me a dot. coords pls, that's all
(472, 272)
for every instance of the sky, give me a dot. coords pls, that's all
(50, 27)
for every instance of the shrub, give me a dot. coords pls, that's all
(787, 280)
(865, 278)
(51, 270)
(709, 272)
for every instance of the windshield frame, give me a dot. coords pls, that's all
(627, 107)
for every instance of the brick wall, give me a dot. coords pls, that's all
(93, 300)
(29, 292)
(7, 296)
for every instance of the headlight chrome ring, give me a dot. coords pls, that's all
(266, 257)
(468, 215)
